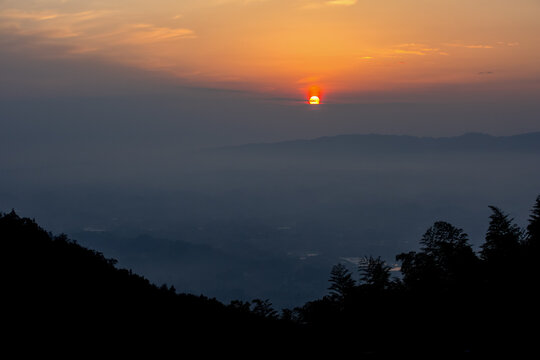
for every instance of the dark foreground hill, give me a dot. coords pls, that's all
(59, 293)
(450, 301)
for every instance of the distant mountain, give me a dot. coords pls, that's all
(397, 144)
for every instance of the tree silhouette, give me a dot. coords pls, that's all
(530, 251)
(446, 260)
(420, 271)
(264, 309)
(449, 302)
(533, 229)
(240, 306)
(375, 273)
(441, 237)
(341, 282)
(502, 238)
(52, 281)
(289, 315)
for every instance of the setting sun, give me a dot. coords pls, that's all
(314, 100)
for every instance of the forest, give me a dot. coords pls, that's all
(448, 299)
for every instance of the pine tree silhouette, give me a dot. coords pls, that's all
(341, 282)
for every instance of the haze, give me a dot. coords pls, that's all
(114, 117)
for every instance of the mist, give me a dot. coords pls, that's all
(135, 163)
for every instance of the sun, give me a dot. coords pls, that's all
(314, 100)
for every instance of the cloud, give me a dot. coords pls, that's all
(97, 32)
(15, 14)
(409, 52)
(49, 24)
(412, 45)
(341, 2)
(402, 50)
(148, 33)
(470, 46)
(243, 2)
(509, 44)
(416, 49)
(20, 15)
(478, 46)
(326, 3)
(56, 25)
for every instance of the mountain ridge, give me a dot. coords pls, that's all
(386, 143)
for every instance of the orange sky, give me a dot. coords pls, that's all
(348, 48)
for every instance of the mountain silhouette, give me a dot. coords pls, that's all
(449, 300)
(371, 144)
(238, 271)
(59, 294)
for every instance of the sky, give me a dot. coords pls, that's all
(238, 68)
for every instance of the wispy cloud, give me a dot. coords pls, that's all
(244, 2)
(326, 3)
(142, 33)
(15, 14)
(409, 52)
(510, 44)
(341, 2)
(402, 50)
(98, 33)
(470, 46)
(478, 46)
(54, 25)
(417, 49)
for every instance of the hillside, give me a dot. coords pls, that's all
(449, 300)
(236, 271)
(60, 291)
